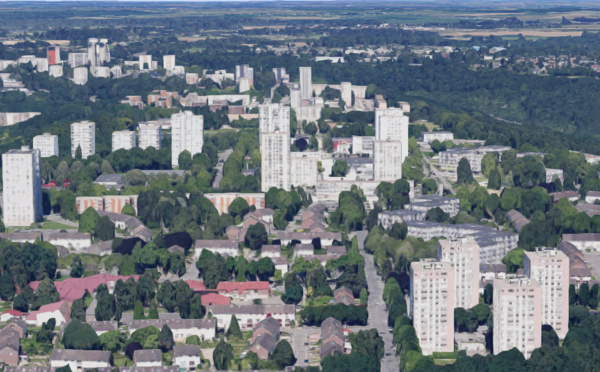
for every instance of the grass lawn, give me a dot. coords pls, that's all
(120, 360)
(239, 346)
(51, 225)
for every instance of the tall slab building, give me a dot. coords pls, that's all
(83, 134)
(123, 139)
(550, 268)
(22, 187)
(463, 255)
(306, 83)
(187, 133)
(387, 160)
(149, 135)
(390, 123)
(274, 128)
(432, 305)
(517, 315)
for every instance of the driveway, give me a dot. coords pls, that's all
(222, 156)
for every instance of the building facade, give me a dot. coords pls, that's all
(22, 187)
(187, 133)
(517, 315)
(83, 134)
(387, 160)
(149, 135)
(303, 169)
(391, 124)
(550, 268)
(463, 255)
(80, 75)
(169, 62)
(306, 83)
(123, 139)
(431, 305)
(274, 125)
(47, 144)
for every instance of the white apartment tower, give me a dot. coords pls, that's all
(92, 43)
(306, 83)
(390, 123)
(387, 160)
(187, 133)
(244, 71)
(123, 139)
(517, 315)
(550, 268)
(80, 75)
(83, 134)
(463, 254)
(274, 129)
(169, 62)
(98, 52)
(47, 144)
(77, 59)
(431, 304)
(149, 135)
(22, 187)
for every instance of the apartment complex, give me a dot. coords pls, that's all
(463, 255)
(431, 304)
(387, 160)
(123, 139)
(306, 83)
(83, 134)
(149, 135)
(187, 133)
(550, 268)
(169, 62)
(274, 125)
(517, 315)
(22, 187)
(391, 124)
(47, 144)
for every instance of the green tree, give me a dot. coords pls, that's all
(185, 160)
(429, 186)
(105, 229)
(105, 304)
(489, 162)
(399, 231)
(463, 172)
(234, 330)
(78, 153)
(128, 210)
(112, 341)
(340, 168)
(78, 310)
(138, 311)
(495, 180)
(283, 355)
(293, 289)
(76, 267)
(7, 287)
(153, 312)
(80, 336)
(584, 294)
(88, 220)
(165, 339)
(222, 355)
(238, 209)
(256, 236)
(46, 294)
(488, 294)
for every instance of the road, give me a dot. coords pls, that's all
(222, 156)
(299, 341)
(378, 314)
(427, 169)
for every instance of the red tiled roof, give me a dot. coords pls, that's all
(215, 299)
(61, 306)
(74, 288)
(196, 285)
(241, 286)
(14, 312)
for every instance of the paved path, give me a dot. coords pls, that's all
(222, 156)
(378, 314)
(427, 167)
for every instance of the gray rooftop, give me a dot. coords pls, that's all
(147, 356)
(186, 350)
(83, 355)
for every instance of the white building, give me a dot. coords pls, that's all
(205, 329)
(42, 64)
(77, 59)
(80, 75)
(274, 126)
(248, 316)
(81, 360)
(362, 145)
(387, 160)
(123, 139)
(56, 70)
(217, 246)
(303, 169)
(22, 187)
(550, 268)
(76, 241)
(306, 91)
(428, 137)
(101, 72)
(431, 305)
(517, 315)
(145, 62)
(47, 144)
(390, 123)
(83, 134)
(187, 133)
(187, 357)
(244, 71)
(169, 62)
(149, 135)
(463, 255)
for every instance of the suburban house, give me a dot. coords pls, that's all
(139, 369)
(187, 356)
(80, 360)
(343, 295)
(244, 291)
(73, 289)
(147, 358)
(205, 329)
(104, 326)
(210, 299)
(271, 251)
(571, 195)
(74, 240)
(12, 314)
(336, 249)
(325, 238)
(250, 315)
(18, 325)
(583, 241)
(10, 341)
(21, 237)
(322, 258)
(263, 346)
(304, 250)
(332, 337)
(267, 326)
(592, 196)
(281, 264)
(60, 311)
(222, 247)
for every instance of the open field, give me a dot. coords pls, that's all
(506, 32)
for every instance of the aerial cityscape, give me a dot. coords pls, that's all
(311, 186)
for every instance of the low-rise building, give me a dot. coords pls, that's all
(221, 201)
(571, 195)
(80, 360)
(73, 241)
(343, 295)
(332, 337)
(244, 291)
(205, 329)
(147, 358)
(222, 247)
(267, 326)
(303, 250)
(187, 357)
(271, 251)
(263, 346)
(116, 181)
(428, 137)
(60, 311)
(592, 196)
(388, 218)
(47, 144)
(551, 174)
(9, 346)
(249, 316)
(584, 242)
(428, 202)
(326, 238)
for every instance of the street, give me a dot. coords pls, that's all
(377, 310)
(439, 177)
(222, 156)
